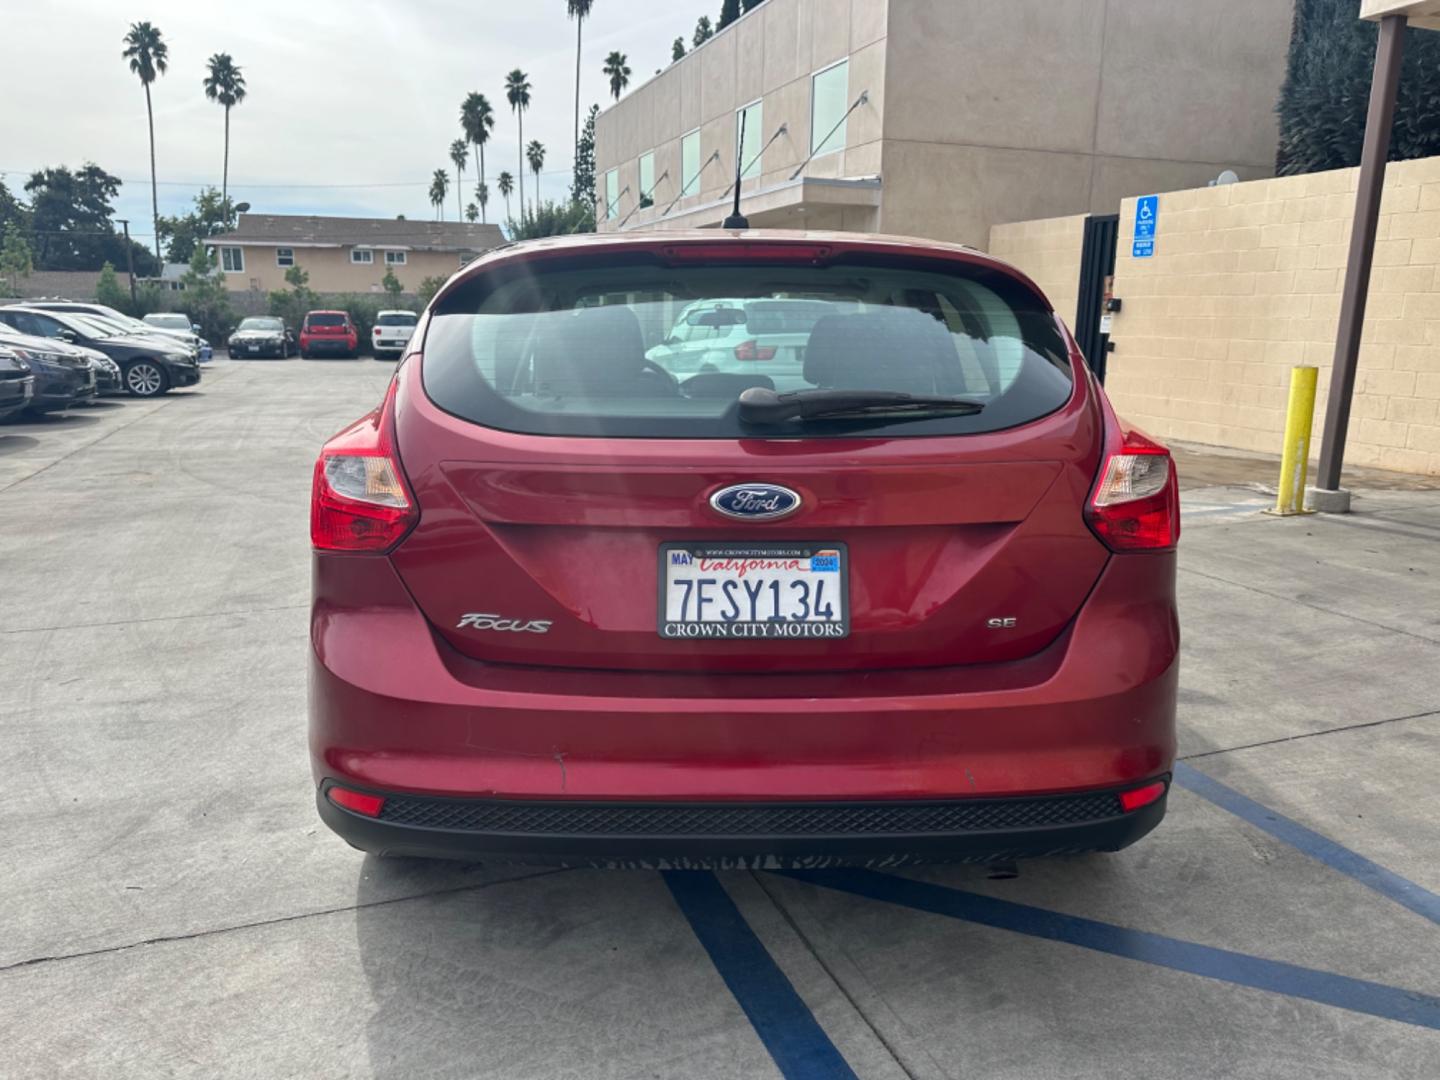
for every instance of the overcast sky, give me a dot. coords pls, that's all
(351, 105)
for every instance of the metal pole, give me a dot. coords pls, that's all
(1378, 122)
(130, 262)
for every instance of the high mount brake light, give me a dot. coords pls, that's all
(747, 251)
(1135, 505)
(359, 498)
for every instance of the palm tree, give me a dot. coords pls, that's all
(224, 84)
(482, 197)
(517, 92)
(618, 72)
(535, 154)
(506, 184)
(148, 55)
(477, 118)
(458, 155)
(579, 10)
(439, 188)
(471, 213)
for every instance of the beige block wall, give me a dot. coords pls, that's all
(1048, 251)
(331, 270)
(1245, 282)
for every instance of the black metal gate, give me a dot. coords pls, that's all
(1097, 265)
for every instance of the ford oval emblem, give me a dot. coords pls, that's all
(755, 502)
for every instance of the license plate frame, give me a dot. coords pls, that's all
(769, 629)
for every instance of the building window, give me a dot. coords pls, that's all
(612, 194)
(829, 102)
(284, 256)
(362, 255)
(647, 179)
(232, 260)
(394, 258)
(689, 162)
(754, 118)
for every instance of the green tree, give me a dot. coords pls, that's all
(482, 198)
(439, 188)
(618, 72)
(677, 50)
(579, 10)
(213, 214)
(391, 284)
(16, 261)
(70, 221)
(109, 291)
(148, 55)
(291, 304)
(428, 288)
(703, 31)
(506, 183)
(206, 300)
(226, 85)
(535, 155)
(477, 120)
(472, 213)
(554, 219)
(751, 5)
(459, 153)
(1327, 91)
(517, 93)
(729, 12)
(582, 189)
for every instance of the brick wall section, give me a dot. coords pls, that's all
(1048, 250)
(1245, 282)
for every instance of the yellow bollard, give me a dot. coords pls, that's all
(1290, 499)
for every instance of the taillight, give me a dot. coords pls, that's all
(1141, 796)
(360, 500)
(359, 801)
(377, 331)
(749, 350)
(1136, 502)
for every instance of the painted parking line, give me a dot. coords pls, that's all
(789, 1031)
(1336, 856)
(1341, 991)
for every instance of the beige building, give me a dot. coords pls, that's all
(941, 118)
(345, 254)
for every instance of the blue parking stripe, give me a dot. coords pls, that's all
(1356, 995)
(1336, 856)
(787, 1028)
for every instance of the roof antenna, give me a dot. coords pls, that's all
(737, 220)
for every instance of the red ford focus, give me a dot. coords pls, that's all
(738, 548)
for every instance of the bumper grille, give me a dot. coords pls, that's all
(802, 820)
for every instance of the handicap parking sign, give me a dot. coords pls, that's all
(1147, 211)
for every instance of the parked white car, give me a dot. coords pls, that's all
(751, 337)
(392, 332)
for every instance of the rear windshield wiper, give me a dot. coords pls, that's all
(761, 406)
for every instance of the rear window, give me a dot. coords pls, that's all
(631, 347)
(326, 320)
(402, 319)
(169, 322)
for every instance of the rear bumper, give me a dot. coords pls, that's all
(394, 709)
(755, 834)
(328, 344)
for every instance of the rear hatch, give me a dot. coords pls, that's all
(576, 497)
(323, 325)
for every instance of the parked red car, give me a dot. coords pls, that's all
(914, 598)
(328, 332)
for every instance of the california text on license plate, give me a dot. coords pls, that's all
(743, 590)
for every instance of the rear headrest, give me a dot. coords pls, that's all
(590, 351)
(887, 348)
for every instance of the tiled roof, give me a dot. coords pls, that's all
(302, 229)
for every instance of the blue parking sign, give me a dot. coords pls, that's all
(1147, 213)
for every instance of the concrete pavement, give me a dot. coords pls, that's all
(173, 908)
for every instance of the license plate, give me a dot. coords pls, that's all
(746, 591)
(253, 348)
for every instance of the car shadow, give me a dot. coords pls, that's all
(13, 444)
